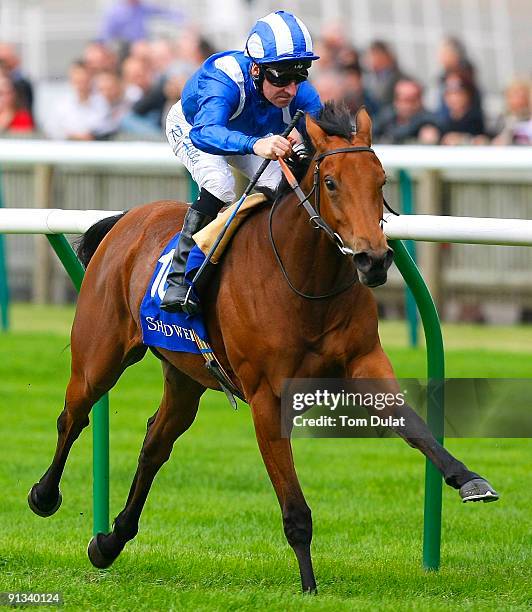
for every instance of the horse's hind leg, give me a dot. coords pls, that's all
(277, 455)
(97, 363)
(175, 415)
(415, 431)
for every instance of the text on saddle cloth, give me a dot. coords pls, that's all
(170, 330)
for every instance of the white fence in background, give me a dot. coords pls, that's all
(159, 156)
(459, 182)
(461, 230)
(429, 228)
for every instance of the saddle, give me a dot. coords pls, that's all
(206, 237)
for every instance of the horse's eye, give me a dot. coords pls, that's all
(330, 184)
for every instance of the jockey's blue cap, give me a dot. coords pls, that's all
(279, 37)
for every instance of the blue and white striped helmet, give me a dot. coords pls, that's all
(279, 37)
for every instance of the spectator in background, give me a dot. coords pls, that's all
(110, 88)
(143, 119)
(355, 94)
(126, 21)
(141, 50)
(11, 64)
(99, 58)
(329, 86)
(177, 77)
(464, 123)
(14, 118)
(162, 56)
(511, 127)
(138, 78)
(382, 72)
(151, 104)
(453, 58)
(344, 84)
(334, 48)
(192, 48)
(406, 119)
(523, 133)
(81, 112)
(348, 57)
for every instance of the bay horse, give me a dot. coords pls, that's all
(336, 337)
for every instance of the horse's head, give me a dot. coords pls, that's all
(349, 191)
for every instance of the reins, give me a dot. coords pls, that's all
(315, 218)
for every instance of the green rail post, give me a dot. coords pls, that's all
(4, 285)
(406, 192)
(100, 412)
(100, 465)
(4, 288)
(435, 406)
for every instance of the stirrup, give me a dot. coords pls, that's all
(176, 305)
(191, 305)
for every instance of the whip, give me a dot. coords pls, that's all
(299, 113)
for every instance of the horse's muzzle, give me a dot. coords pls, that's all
(373, 266)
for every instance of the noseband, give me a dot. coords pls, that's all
(316, 219)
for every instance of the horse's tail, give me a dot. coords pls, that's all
(89, 242)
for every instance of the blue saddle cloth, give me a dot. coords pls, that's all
(170, 330)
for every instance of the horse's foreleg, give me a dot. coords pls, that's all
(415, 431)
(175, 415)
(277, 455)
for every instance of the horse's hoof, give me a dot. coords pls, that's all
(478, 489)
(39, 508)
(96, 556)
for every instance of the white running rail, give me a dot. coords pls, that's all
(50, 220)
(429, 228)
(469, 230)
(158, 155)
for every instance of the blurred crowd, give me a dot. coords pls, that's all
(124, 83)
(113, 89)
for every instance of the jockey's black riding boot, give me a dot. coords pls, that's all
(202, 212)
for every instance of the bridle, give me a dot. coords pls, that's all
(316, 219)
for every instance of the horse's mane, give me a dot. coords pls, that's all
(335, 120)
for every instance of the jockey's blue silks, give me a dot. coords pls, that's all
(227, 112)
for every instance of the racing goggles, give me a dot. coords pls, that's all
(279, 77)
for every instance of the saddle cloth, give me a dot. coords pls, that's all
(170, 330)
(176, 331)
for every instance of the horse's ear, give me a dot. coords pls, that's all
(316, 134)
(363, 126)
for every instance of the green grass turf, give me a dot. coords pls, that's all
(211, 535)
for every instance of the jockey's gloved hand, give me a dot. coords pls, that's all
(272, 147)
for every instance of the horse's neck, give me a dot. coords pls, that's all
(313, 263)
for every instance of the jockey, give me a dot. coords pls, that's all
(228, 115)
